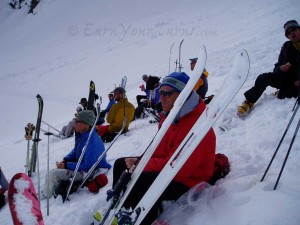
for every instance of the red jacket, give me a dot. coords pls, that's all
(199, 167)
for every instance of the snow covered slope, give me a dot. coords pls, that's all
(56, 53)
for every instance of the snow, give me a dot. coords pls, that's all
(56, 53)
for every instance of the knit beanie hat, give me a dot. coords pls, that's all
(87, 116)
(119, 90)
(176, 81)
(290, 24)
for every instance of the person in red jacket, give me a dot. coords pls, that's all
(198, 168)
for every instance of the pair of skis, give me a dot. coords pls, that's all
(230, 87)
(177, 63)
(34, 154)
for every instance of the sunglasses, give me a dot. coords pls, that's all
(290, 30)
(166, 93)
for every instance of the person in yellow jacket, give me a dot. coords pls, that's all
(123, 108)
(201, 86)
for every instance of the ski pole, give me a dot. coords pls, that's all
(48, 182)
(82, 153)
(91, 170)
(297, 99)
(283, 136)
(52, 127)
(287, 154)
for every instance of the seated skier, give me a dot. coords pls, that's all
(285, 75)
(105, 111)
(198, 168)
(69, 129)
(152, 101)
(151, 82)
(84, 121)
(123, 108)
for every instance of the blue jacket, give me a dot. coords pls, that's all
(94, 149)
(155, 96)
(110, 104)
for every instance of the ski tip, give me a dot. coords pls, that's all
(244, 52)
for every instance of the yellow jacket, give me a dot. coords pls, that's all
(116, 115)
(200, 81)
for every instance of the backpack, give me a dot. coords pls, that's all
(98, 182)
(221, 168)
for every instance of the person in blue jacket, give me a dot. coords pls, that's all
(105, 111)
(65, 169)
(152, 101)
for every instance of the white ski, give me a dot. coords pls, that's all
(177, 106)
(228, 90)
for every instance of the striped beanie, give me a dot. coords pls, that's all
(176, 80)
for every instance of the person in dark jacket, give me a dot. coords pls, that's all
(65, 169)
(200, 165)
(83, 102)
(151, 84)
(285, 75)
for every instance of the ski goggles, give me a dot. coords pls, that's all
(167, 93)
